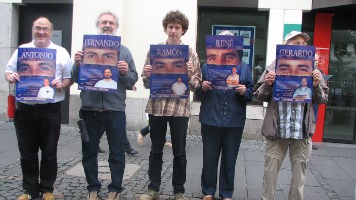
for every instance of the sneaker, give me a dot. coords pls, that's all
(93, 196)
(149, 195)
(179, 196)
(48, 196)
(113, 196)
(24, 197)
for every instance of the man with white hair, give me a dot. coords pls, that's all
(101, 109)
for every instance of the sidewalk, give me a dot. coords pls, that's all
(331, 173)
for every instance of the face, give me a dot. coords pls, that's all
(222, 57)
(304, 82)
(107, 25)
(295, 67)
(107, 74)
(179, 80)
(234, 70)
(174, 32)
(46, 82)
(297, 40)
(100, 56)
(42, 32)
(169, 66)
(38, 68)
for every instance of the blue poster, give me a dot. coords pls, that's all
(37, 69)
(294, 68)
(169, 75)
(99, 70)
(224, 56)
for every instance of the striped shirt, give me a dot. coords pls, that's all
(290, 120)
(174, 107)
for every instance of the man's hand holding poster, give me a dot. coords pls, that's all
(37, 69)
(99, 71)
(169, 75)
(294, 68)
(224, 55)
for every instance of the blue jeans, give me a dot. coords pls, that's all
(216, 140)
(178, 127)
(114, 124)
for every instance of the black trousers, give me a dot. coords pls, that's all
(178, 127)
(38, 127)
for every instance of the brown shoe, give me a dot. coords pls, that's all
(24, 197)
(93, 195)
(48, 196)
(149, 195)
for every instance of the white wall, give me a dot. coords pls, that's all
(9, 15)
(140, 25)
(275, 33)
(285, 4)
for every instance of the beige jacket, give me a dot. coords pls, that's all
(270, 124)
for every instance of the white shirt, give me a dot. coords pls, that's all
(45, 92)
(63, 67)
(106, 84)
(303, 91)
(179, 88)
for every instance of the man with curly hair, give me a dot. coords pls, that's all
(173, 111)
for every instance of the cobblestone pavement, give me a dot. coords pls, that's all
(248, 181)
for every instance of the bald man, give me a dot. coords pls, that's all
(38, 124)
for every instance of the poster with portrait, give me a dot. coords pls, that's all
(99, 71)
(294, 67)
(37, 69)
(169, 75)
(224, 53)
(248, 34)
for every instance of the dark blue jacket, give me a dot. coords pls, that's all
(226, 108)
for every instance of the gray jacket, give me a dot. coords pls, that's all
(95, 101)
(270, 123)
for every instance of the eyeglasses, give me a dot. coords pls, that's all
(296, 43)
(38, 28)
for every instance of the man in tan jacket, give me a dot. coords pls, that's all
(282, 133)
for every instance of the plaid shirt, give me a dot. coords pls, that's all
(290, 120)
(174, 107)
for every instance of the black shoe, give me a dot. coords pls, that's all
(315, 147)
(100, 150)
(131, 151)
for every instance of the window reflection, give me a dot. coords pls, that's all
(341, 107)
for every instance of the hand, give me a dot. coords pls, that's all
(269, 78)
(206, 85)
(78, 58)
(147, 71)
(241, 89)
(123, 67)
(189, 67)
(12, 77)
(58, 85)
(316, 78)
